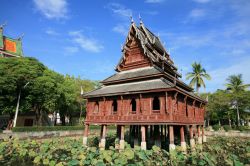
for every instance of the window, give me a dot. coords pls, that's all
(133, 105)
(96, 107)
(156, 103)
(114, 106)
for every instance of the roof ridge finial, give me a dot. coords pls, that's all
(3, 25)
(140, 19)
(131, 19)
(21, 36)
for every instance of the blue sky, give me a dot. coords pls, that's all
(84, 38)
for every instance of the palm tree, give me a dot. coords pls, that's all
(197, 76)
(234, 86)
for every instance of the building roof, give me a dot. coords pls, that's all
(10, 47)
(134, 73)
(144, 79)
(130, 88)
(152, 47)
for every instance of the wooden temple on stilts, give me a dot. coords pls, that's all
(146, 98)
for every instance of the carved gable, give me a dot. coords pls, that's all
(133, 56)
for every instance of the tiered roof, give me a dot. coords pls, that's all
(10, 47)
(152, 48)
(161, 75)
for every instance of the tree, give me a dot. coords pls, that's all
(218, 107)
(44, 95)
(71, 99)
(235, 84)
(237, 88)
(14, 74)
(48, 92)
(197, 76)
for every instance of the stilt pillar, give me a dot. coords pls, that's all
(183, 143)
(192, 142)
(157, 135)
(143, 138)
(85, 135)
(103, 137)
(204, 137)
(199, 134)
(118, 136)
(136, 136)
(122, 142)
(171, 138)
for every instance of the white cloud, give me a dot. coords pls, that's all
(52, 9)
(71, 49)
(122, 29)
(120, 10)
(51, 32)
(154, 1)
(202, 1)
(197, 13)
(86, 43)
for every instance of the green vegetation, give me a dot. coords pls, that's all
(47, 91)
(55, 128)
(197, 76)
(69, 151)
(227, 127)
(46, 128)
(229, 106)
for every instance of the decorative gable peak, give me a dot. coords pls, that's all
(144, 46)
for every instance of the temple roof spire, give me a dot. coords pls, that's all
(140, 19)
(132, 20)
(3, 25)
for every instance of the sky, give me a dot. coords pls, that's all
(84, 38)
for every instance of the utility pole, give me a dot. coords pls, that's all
(17, 106)
(81, 105)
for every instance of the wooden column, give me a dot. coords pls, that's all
(103, 137)
(85, 136)
(199, 134)
(122, 142)
(104, 107)
(143, 138)
(162, 132)
(166, 102)
(140, 107)
(171, 138)
(136, 133)
(191, 135)
(157, 135)
(121, 107)
(183, 143)
(118, 136)
(204, 138)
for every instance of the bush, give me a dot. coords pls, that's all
(54, 128)
(216, 127)
(242, 128)
(227, 127)
(69, 151)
